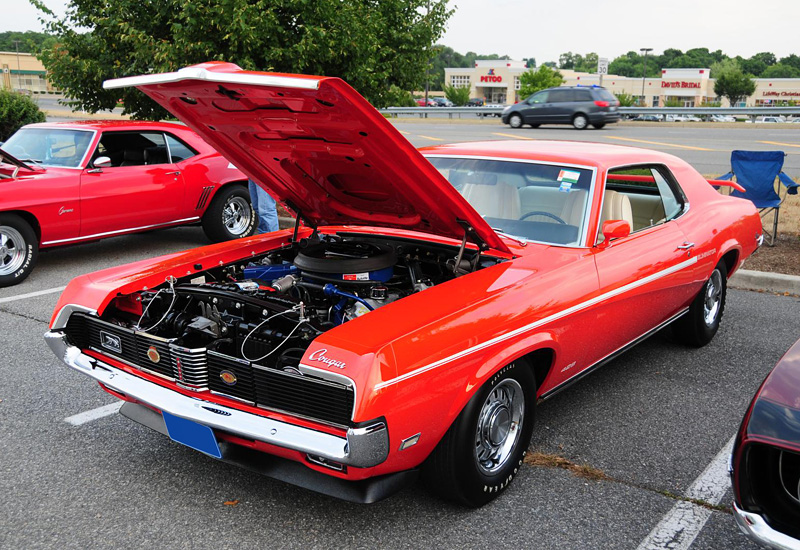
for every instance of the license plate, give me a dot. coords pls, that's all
(198, 437)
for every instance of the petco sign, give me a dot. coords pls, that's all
(491, 77)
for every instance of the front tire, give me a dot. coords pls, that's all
(599, 125)
(19, 249)
(580, 122)
(230, 215)
(515, 121)
(482, 451)
(698, 327)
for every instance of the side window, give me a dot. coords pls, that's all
(178, 150)
(559, 96)
(644, 195)
(133, 148)
(540, 97)
(583, 95)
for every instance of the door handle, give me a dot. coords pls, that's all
(685, 246)
(175, 173)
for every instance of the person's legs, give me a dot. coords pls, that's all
(264, 206)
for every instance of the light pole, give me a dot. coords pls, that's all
(644, 69)
(19, 71)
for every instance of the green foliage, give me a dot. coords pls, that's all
(780, 70)
(731, 82)
(577, 62)
(29, 41)
(626, 100)
(396, 97)
(459, 96)
(17, 110)
(672, 102)
(533, 80)
(372, 45)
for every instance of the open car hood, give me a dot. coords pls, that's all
(8, 158)
(318, 146)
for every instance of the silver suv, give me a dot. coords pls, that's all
(576, 105)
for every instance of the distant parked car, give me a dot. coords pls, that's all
(442, 102)
(765, 463)
(722, 118)
(692, 118)
(648, 118)
(476, 102)
(576, 105)
(430, 103)
(675, 118)
(73, 182)
(770, 119)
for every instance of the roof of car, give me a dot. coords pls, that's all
(109, 124)
(602, 155)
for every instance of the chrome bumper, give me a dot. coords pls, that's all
(363, 447)
(760, 532)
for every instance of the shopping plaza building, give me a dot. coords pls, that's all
(24, 72)
(498, 81)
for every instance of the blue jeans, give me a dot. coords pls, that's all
(264, 205)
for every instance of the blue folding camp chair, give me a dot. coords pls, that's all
(756, 172)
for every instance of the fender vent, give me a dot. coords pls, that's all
(201, 202)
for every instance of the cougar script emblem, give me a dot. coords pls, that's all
(319, 356)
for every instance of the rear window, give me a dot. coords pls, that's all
(558, 96)
(583, 95)
(602, 93)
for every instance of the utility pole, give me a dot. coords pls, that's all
(644, 69)
(427, 65)
(19, 71)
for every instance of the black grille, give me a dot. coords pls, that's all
(243, 386)
(303, 395)
(289, 392)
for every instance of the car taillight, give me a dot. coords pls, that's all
(601, 103)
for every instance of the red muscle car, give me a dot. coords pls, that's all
(65, 183)
(424, 305)
(765, 463)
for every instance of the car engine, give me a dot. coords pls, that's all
(269, 308)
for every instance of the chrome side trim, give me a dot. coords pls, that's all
(362, 447)
(536, 324)
(759, 531)
(120, 231)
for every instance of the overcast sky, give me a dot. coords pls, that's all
(531, 28)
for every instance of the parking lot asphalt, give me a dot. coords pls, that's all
(646, 426)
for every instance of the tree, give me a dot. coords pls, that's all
(626, 100)
(372, 45)
(781, 71)
(791, 60)
(459, 96)
(16, 110)
(731, 82)
(28, 41)
(531, 81)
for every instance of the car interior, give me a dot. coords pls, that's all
(536, 202)
(141, 148)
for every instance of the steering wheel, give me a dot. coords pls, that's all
(545, 214)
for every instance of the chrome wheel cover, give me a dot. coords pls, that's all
(713, 298)
(236, 215)
(13, 250)
(515, 121)
(580, 122)
(499, 426)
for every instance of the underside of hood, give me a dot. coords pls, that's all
(318, 146)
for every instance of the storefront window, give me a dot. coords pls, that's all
(459, 81)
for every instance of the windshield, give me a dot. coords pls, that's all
(49, 146)
(538, 202)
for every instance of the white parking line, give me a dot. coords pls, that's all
(94, 414)
(678, 529)
(31, 294)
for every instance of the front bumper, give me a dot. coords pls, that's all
(757, 530)
(362, 447)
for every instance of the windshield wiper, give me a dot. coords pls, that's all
(521, 240)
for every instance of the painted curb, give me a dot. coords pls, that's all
(769, 282)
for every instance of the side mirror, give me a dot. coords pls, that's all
(613, 230)
(102, 162)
